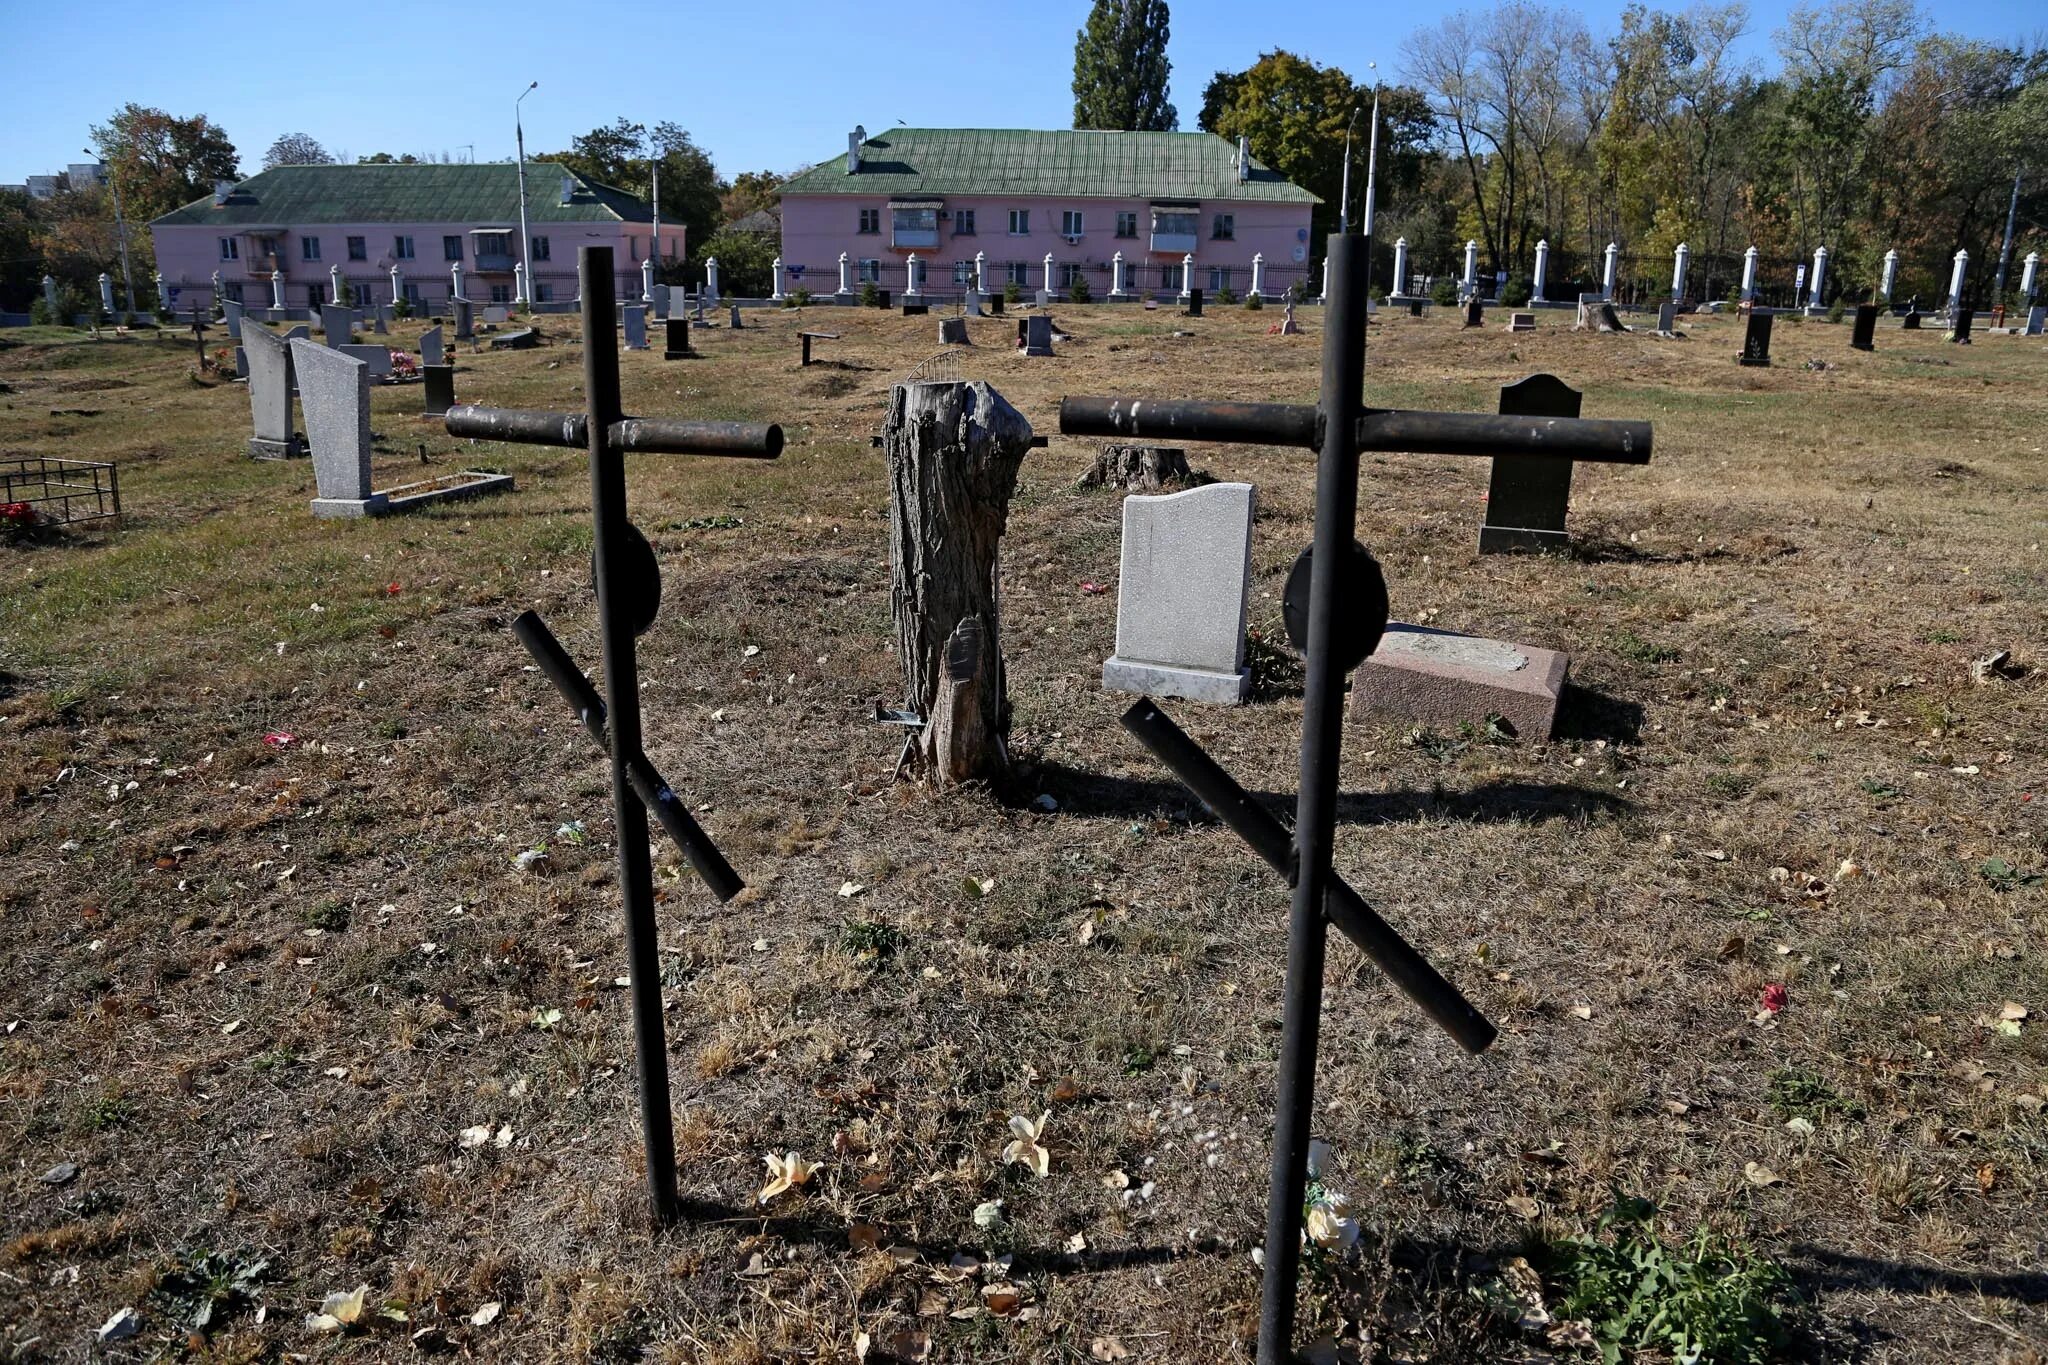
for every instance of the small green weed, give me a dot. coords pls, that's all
(1632, 646)
(1798, 1092)
(1434, 744)
(1708, 1301)
(210, 1286)
(1943, 636)
(2003, 876)
(871, 938)
(1729, 786)
(110, 1110)
(1882, 791)
(331, 916)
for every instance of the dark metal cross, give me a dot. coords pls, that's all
(1337, 627)
(628, 583)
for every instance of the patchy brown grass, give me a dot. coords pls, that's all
(257, 995)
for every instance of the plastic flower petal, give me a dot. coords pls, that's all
(785, 1173)
(1025, 1146)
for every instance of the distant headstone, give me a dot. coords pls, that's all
(1597, 315)
(1435, 677)
(1667, 319)
(2037, 320)
(380, 321)
(336, 391)
(1527, 496)
(337, 324)
(270, 394)
(1288, 326)
(1194, 303)
(1910, 320)
(953, 332)
(465, 319)
(995, 305)
(634, 316)
(241, 362)
(432, 351)
(1415, 308)
(440, 389)
(376, 358)
(1756, 341)
(232, 312)
(910, 310)
(676, 343)
(1959, 330)
(973, 304)
(1864, 337)
(519, 339)
(1475, 312)
(1521, 322)
(661, 302)
(881, 301)
(1037, 335)
(735, 324)
(1045, 298)
(1181, 595)
(495, 314)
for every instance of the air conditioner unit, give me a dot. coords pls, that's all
(1071, 238)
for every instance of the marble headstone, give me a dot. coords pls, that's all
(495, 314)
(336, 391)
(337, 324)
(465, 319)
(1181, 597)
(432, 351)
(270, 394)
(232, 313)
(377, 358)
(635, 318)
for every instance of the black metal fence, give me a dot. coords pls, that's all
(60, 492)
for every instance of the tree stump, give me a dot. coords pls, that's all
(1146, 468)
(954, 451)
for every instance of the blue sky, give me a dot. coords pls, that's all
(762, 86)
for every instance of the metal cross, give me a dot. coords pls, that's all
(1340, 577)
(628, 582)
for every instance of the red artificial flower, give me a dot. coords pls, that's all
(1092, 588)
(279, 739)
(1776, 997)
(392, 590)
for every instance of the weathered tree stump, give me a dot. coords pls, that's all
(954, 451)
(1146, 468)
(1599, 317)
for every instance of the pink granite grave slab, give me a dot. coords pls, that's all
(1437, 677)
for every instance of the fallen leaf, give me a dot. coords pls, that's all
(339, 1311)
(1761, 1175)
(988, 1215)
(1075, 1245)
(486, 1314)
(1523, 1207)
(1066, 1090)
(1108, 1348)
(1116, 1180)
(474, 1137)
(864, 1237)
(1987, 1177)
(848, 890)
(2012, 1011)
(1003, 1300)
(1776, 997)
(1583, 1010)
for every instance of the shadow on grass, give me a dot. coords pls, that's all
(1583, 713)
(1824, 1268)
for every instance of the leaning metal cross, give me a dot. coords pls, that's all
(1337, 627)
(628, 582)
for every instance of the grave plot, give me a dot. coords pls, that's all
(40, 493)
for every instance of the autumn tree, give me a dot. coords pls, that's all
(1120, 68)
(161, 162)
(296, 149)
(752, 192)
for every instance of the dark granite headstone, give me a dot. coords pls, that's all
(1959, 333)
(881, 298)
(1415, 308)
(1756, 342)
(953, 332)
(1864, 338)
(916, 310)
(1194, 303)
(440, 389)
(677, 344)
(1528, 496)
(1911, 321)
(1475, 312)
(1038, 335)
(995, 305)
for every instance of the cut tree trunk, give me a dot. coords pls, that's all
(954, 451)
(1146, 468)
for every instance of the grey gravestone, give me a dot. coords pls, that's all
(337, 324)
(495, 314)
(380, 321)
(1959, 330)
(432, 352)
(735, 323)
(440, 389)
(2037, 320)
(1864, 337)
(1667, 318)
(1181, 596)
(232, 312)
(465, 320)
(270, 394)
(241, 362)
(377, 358)
(953, 332)
(1528, 496)
(661, 302)
(676, 346)
(1045, 298)
(635, 317)
(1756, 341)
(1037, 334)
(973, 304)
(336, 391)
(520, 339)
(1521, 322)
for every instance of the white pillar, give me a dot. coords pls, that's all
(776, 271)
(1400, 266)
(397, 286)
(1048, 275)
(1470, 284)
(2028, 270)
(845, 274)
(1536, 283)
(1955, 280)
(277, 290)
(1891, 275)
(1325, 294)
(219, 295)
(711, 278)
(1187, 273)
(647, 279)
(1607, 272)
(1678, 263)
(107, 292)
(1820, 274)
(1116, 274)
(163, 300)
(519, 281)
(50, 300)
(1749, 275)
(455, 276)
(1258, 275)
(981, 272)
(910, 289)
(334, 283)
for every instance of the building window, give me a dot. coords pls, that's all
(870, 221)
(266, 247)
(232, 289)
(914, 227)
(412, 293)
(1019, 272)
(540, 249)
(963, 272)
(451, 248)
(1219, 278)
(1070, 273)
(501, 293)
(543, 293)
(1127, 225)
(1020, 222)
(230, 249)
(1070, 224)
(309, 248)
(871, 272)
(1170, 277)
(316, 295)
(401, 248)
(963, 222)
(358, 249)
(1224, 228)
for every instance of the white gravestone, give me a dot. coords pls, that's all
(432, 349)
(270, 394)
(1181, 596)
(336, 391)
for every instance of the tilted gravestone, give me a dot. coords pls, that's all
(1475, 312)
(1436, 677)
(1959, 330)
(241, 362)
(735, 324)
(440, 389)
(1527, 497)
(336, 391)
(1864, 336)
(519, 339)
(232, 313)
(2037, 320)
(432, 350)
(1756, 340)
(634, 317)
(337, 324)
(1181, 596)
(1038, 335)
(270, 394)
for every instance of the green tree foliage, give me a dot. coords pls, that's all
(387, 159)
(745, 262)
(161, 162)
(1120, 68)
(752, 192)
(624, 154)
(297, 149)
(20, 279)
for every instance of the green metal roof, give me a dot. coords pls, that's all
(489, 193)
(1067, 163)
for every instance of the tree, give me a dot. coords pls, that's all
(745, 261)
(623, 154)
(296, 149)
(1120, 68)
(752, 192)
(162, 162)
(18, 256)
(386, 159)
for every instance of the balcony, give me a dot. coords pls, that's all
(1175, 243)
(492, 263)
(911, 239)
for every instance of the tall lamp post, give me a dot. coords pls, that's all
(525, 242)
(120, 228)
(1344, 194)
(1372, 154)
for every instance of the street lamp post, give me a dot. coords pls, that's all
(1372, 154)
(525, 241)
(120, 228)
(1344, 194)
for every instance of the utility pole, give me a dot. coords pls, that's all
(1372, 155)
(121, 229)
(654, 247)
(2012, 210)
(525, 242)
(1344, 194)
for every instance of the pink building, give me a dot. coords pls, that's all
(279, 238)
(973, 207)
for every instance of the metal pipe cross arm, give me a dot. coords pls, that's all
(646, 435)
(1590, 440)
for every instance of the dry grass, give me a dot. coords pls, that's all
(257, 995)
